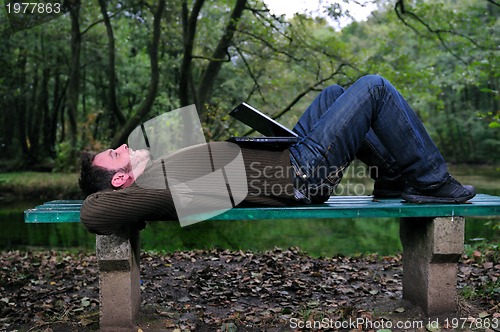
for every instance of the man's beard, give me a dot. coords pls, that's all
(138, 160)
(126, 169)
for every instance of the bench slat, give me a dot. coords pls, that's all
(335, 207)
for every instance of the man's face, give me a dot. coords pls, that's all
(113, 159)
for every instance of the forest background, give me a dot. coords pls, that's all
(86, 79)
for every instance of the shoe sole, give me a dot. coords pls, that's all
(386, 194)
(432, 199)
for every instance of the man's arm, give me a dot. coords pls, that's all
(108, 211)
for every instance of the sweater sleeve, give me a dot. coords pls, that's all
(267, 182)
(107, 211)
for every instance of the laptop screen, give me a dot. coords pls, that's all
(260, 122)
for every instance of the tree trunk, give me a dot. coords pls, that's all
(33, 114)
(221, 51)
(20, 104)
(121, 136)
(112, 99)
(74, 77)
(189, 22)
(57, 103)
(43, 104)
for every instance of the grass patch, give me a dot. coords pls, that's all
(482, 252)
(485, 290)
(29, 185)
(319, 237)
(484, 285)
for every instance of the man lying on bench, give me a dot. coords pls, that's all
(370, 120)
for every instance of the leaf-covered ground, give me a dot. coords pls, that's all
(280, 290)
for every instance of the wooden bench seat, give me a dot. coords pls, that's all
(432, 236)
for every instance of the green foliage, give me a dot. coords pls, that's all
(445, 64)
(65, 160)
(37, 186)
(487, 255)
(441, 54)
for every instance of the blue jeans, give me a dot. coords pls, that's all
(370, 120)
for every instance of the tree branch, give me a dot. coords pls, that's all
(100, 21)
(213, 68)
(310, 88)
(227, 59)
(269, 45)
(265, 21)
(438, 32)
(400, 4)
(250, 71)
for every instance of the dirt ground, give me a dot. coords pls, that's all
(220, 290)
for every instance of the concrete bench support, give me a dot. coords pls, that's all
(119, 279)
(431, 250)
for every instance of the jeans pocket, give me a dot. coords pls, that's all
(298, 174)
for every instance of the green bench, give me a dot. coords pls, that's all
(432, 236)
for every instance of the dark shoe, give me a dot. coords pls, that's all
(450, 191)
(389, 187)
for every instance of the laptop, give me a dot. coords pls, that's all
(275, 133)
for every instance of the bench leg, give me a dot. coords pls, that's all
(119, 280)
(431, 250)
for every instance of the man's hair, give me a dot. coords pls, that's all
(94, 178)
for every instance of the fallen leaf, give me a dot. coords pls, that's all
(433, 327)
(483, 314)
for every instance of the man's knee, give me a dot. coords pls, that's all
(372, 80)
(333, 91)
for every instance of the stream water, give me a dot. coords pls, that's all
(317, 237)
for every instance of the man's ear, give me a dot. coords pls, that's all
(119, 179)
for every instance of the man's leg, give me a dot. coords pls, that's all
(371, 102)
(372, 152)
(320, 105)
(382, 166)
(311, 118)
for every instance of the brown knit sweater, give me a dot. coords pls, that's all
(268, 176)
